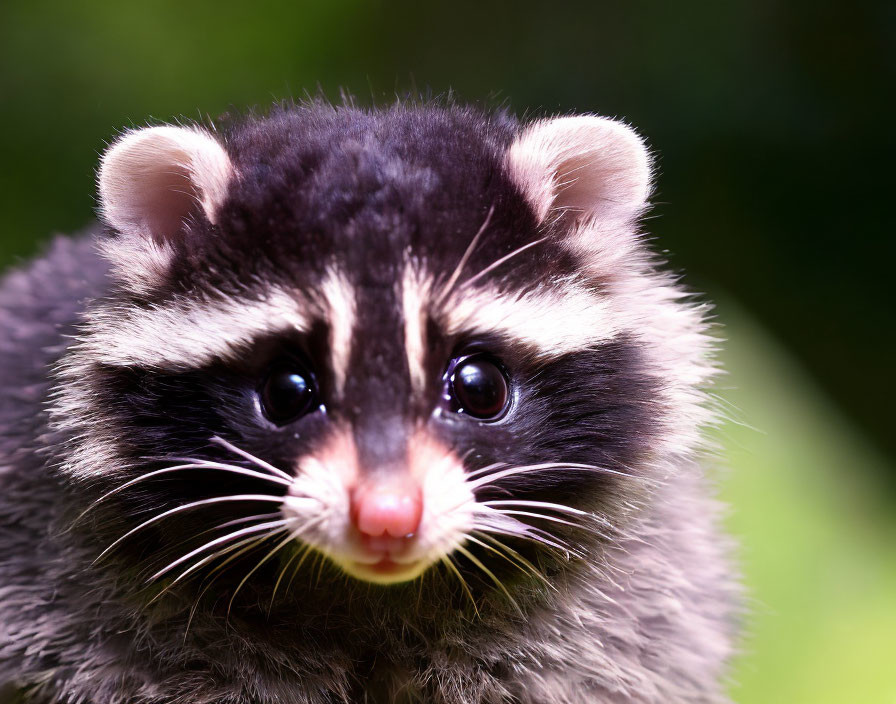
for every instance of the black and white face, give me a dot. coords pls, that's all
(404, 341)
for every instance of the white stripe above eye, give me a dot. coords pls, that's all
(339, 306)
(187, 333)
(555, 319)
(415, 292)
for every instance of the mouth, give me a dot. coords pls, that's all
(386, 570)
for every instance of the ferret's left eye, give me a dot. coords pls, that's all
(478, 386)
(288, 392)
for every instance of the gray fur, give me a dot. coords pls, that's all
(649, 617)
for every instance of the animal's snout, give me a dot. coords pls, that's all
(391, 509)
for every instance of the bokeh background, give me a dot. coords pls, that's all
(772, 122)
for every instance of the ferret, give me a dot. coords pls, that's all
(375, 405)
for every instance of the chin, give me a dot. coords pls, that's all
(384, 572)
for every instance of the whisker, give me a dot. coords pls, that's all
(217, 541)
(530, 568)
(533, 536)
(307, 551)
(211, 464)
(257, 567)
(560, 508)
(251, 543)
(458, 270)
(476, 561)
(483, 470)
(185, 507)
(499, 262)
(246, 543)
(181, 468)
(292, 536)
(518, 529)
(492, 539)
(301, 552)
(526, 469)
(463, 583)
(530, 514)
(237, 521)
(252, 458)
(245, 519)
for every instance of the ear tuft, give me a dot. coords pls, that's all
(152, 179)
(591, 167)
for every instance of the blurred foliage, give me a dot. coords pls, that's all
(772, 127)
(771, 120)
(816, 534)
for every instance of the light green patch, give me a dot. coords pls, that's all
(817, 532)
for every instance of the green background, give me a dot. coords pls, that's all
(773, 131)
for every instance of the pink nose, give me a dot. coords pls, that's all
(387, 509)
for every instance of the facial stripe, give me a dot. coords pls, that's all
(187, 334)
(555, 321)
(339, 304)
(415, 290)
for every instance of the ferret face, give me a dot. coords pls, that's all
(398, 340)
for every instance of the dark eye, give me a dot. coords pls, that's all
(479, 387)
(288, 392)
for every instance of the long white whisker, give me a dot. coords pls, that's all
(239, 548)
(526, 469)
(483, 470)
(245, 519)
(492, 539)
(185, 507)
(309, 549)
(211, 464)
(560, 508)
(458, 270)
(252, 458)
(255, 541)
(217, 541)
(181, 468)
(530, 514)
(499, 262)
(518, 529)
(298, 553)
(257, 518)
(292, 536)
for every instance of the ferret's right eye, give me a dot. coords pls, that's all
(288, 392)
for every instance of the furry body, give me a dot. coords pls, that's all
(645, 611)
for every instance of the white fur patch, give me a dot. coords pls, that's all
(415, 294)
(557, 320)
(591, 165)
(189, 333)
(339, 306)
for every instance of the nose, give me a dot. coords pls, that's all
(387, 509)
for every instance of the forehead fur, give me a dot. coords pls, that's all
(319, 186)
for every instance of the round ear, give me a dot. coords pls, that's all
(150, 181)
(589, 167)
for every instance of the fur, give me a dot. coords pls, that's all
(377, 244)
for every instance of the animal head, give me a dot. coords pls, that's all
(406, 340)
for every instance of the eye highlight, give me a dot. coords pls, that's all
(287, 392)
(478, 387)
